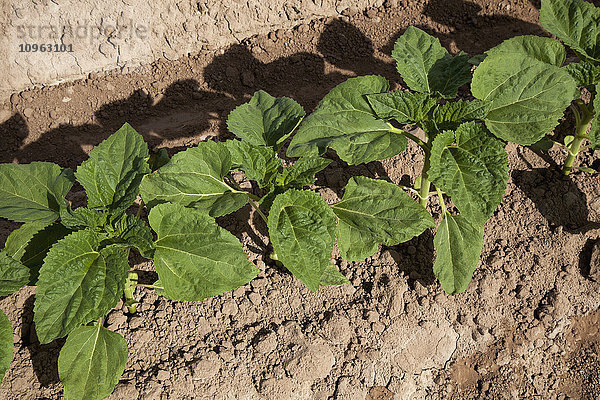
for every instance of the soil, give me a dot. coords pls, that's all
(527, 327)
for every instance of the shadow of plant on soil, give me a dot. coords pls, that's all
(585, 259)
(44, 357)
(556, 197)
(179, 113)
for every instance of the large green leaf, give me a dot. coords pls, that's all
(194, 178)
(259, 163)
(91, 363)
(472, 167)
(6, 344)
(527, 97)
(13, 275)
(374, 212)
(31, 242)
(302, 173)
(33, 192)
(195, 258)
(265, 120)
(575, 22)
(111, 176)
(78, 283)
(427, 67)
(542, 49)
(344, 121)
(458, 243)
(585, 73)
(404, 107)
(302, 231)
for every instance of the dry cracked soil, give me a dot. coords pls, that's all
(527, 327)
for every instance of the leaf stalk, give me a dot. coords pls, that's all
(583, 117)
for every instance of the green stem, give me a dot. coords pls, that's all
(256, 207)
(130, 284)
(425, 184)
(149, 286)
(132, 278)
(141, 207)
(409, 135)
(442, 204)
(582, 121)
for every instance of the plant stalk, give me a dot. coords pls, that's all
(442, 203)
(256, 207)
(410, 136)
(132, 277)
(582, 122)
(130, 284)
(425, 184)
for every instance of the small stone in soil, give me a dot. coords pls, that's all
(28, 112)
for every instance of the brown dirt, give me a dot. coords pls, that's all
(527, 327)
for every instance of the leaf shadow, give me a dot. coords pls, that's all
(177, 113)
(557, 198)
(416, 257)
(244, 221)
(585, 259)
(44, 357)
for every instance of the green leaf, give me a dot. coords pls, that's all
(404, 107)
(33, 192)
(450, 115)
(265, 120)
(195, 258)
(595, 129)
(427, 67)
(527, 97)
(78, 283)
(111, 176)
(542, 49)
(302, 231)
(6, 344)
(13, 275)
(333, 277)
(83, 217)
(585, 74)
(31, 242)
(259, 163)
(569, 139)
(17, 241)
(458, 243)
(302, 173)
(375, 211)
(576, 23)
(474, 171)
(131, 231)
(194, 178)
(344, 121)
(91, 363)
(587, 170)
